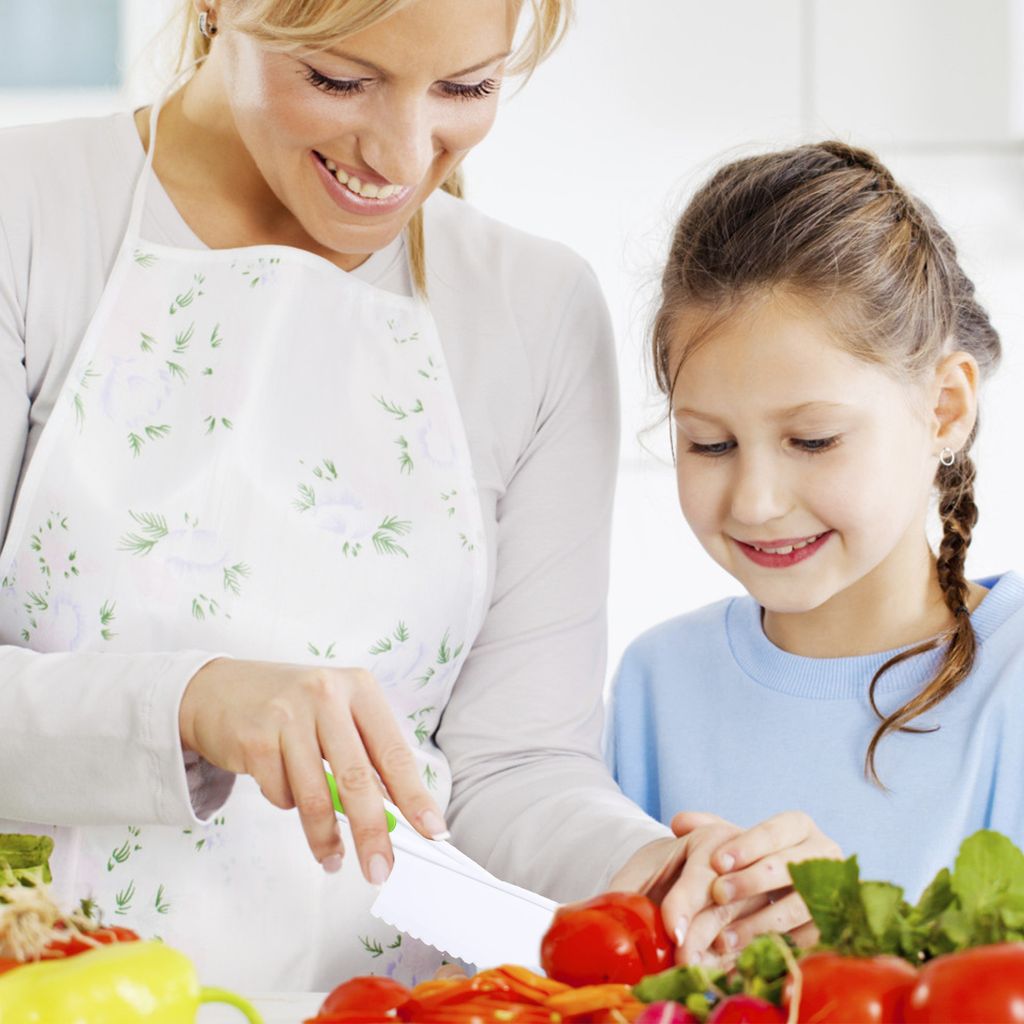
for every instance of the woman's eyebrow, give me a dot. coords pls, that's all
(385, 73)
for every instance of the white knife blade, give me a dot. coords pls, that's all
(442, 897)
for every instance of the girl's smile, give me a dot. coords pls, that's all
(781, 554)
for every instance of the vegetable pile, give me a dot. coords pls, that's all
(955, 955)
(57, 967)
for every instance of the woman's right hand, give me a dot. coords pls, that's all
(278, 723)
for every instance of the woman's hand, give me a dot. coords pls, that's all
(750, 869)
(278, 722)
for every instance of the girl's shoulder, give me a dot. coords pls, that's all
(702, 632)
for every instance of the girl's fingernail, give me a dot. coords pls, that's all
(331, 864)
(727, 860)
(728, 890)
(379, 869)
(681, 925)
(730, 939)
(434, 825)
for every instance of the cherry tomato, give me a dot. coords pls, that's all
(615, 937)
(367, 995)
(982, 984)
(740, 1009)
(838, 989)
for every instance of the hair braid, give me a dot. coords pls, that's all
(959, 515)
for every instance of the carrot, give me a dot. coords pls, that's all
(589, 999)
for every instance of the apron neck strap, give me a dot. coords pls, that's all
(139, 197)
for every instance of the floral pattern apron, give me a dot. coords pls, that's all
(259, 455)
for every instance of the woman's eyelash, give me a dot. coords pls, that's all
(350, 86)
(345, 86)
(472, 92)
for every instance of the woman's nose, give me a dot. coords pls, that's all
(400, 145)
(759, 493)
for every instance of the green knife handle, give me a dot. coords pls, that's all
(333, 786)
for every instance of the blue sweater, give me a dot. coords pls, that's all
(709, 715)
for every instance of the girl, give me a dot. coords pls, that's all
(262, 504)
(821, 349)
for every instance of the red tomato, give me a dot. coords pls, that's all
(7, 964)
(745, 1010)
(838, 989)
(480, 1010)
(984, 984)
(73, 944)
(615, 937)
(366, 995)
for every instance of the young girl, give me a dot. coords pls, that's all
(821, 348)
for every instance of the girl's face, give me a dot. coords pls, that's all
(353, 138)
(801, 468)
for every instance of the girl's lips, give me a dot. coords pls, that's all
(353, 203)
(776, 560)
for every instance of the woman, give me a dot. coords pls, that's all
(284, 489)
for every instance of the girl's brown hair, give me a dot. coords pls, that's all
(827, 222)
(292, 24)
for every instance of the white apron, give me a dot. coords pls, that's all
(259, 455)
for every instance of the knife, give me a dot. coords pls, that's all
(444, 898)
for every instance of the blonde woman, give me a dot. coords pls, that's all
(301, 459)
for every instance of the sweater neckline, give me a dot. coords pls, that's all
(847, 678)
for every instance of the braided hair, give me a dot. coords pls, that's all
(829, 220)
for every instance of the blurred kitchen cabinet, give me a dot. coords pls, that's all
(915, 72)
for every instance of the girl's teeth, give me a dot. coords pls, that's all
(789, 549)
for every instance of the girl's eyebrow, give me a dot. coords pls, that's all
(778, 414)
(381, 71)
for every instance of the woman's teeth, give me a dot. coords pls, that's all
(788, 548)
(365, 189)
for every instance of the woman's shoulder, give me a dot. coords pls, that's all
(464, 239)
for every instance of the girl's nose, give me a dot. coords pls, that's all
(400, 146)
(758, 494)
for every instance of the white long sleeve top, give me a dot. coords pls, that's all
(529, 346)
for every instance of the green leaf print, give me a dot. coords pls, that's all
(135, 443)
(349, 549)
(392, 324)
(404, 458)
(157, 430)
(154, 529)
(216, 338)
(148, 342)
(124, 898)
(430, 777)
(161, 904)
(421, 732)
(306, 499)
(422, 680)
(233, 577)
(448, 497)
(183, 339)
(106, 618)
(430, 373)
(203, 606)
(396, 410)
(177, 370)
(381, 646)
(401, 633)
(315, 651)
(467, 543)
(384, 538)
(144, 259)
(396, 943)
(326, 471)
(120, 855)
(372, 946)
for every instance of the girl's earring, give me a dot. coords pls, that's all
(207, 27)
(947, 456)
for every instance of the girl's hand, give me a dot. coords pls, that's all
(278, 722)
(751, 868)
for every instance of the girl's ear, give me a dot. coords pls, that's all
(956, 400)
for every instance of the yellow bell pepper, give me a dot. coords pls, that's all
(123, 983)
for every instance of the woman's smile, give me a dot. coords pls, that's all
(365, 194)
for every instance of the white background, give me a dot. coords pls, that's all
(604, 144)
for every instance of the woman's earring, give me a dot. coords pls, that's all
(947, 456)
(207, 28)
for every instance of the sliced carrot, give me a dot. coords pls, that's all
(589, 999)
(535, 982)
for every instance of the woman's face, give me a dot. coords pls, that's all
(353, 138)
(801, 468)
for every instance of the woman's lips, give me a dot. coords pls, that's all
(367, 205)
(780, 554)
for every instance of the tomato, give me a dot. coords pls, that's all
(480, 1010)
(745, 1010)
(74, 944)
(838, 989)
(7, 964)
(982, 984)
(615, 937)
(369, 995)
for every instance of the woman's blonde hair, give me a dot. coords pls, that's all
(290, 24)
(829, 222)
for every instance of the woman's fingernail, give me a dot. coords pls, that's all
(728, 890)
(730, 939)
(434, 825)
(727, 860)
(379, 869)
(681, 925)
(331, 864)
